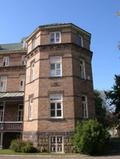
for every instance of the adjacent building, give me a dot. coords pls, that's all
(58, 86)
(12, 81)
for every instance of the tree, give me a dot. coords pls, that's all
(114, 96)
(90, 137)
(100, 108)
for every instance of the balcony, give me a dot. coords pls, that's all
(11, 126)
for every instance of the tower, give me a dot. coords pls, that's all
(59, 85)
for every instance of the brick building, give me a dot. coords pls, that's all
(12, 79)
(58, 86)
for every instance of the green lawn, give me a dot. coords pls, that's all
(11, 152)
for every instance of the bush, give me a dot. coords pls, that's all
(22, 146)
(28, 148)
(16, 145)
(90, 137)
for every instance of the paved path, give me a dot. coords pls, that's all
(58, 157)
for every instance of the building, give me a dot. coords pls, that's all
(12, 79)
(58, 85)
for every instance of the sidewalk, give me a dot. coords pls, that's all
(56, 157)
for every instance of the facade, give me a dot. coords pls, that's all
(12, 79)
(58, 86)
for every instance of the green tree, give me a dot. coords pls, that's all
(114, 96)
(90, 137)
(100, 108)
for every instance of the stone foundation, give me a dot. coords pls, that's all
(41, 140)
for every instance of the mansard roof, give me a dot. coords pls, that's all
(11, 47)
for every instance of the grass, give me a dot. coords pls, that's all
(11, 152)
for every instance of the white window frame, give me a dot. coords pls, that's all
(22, 83)
(56, 98)
(30, 106)
(20, 113)
(53, 37)
(82, 69)
(6, 61)
(54, 143)
(3, 83)
(85, 107)
(32, 70)
(56, 61)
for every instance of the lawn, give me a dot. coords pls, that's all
(11, 152)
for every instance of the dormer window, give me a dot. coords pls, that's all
(33, 43)
(55, 37)
(6, 61)
(80, 40)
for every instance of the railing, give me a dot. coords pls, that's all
(11, 126)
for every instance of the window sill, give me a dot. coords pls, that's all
(55, 77)
(56, 119)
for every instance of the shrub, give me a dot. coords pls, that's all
(90, 137)
(16, 145)
(22, 146)
(28, 148)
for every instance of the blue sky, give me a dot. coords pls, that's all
(18, 18)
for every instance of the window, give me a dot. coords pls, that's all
(3, 83)
(6, 61)
(20, 113)
(80, 40)
(56, 144)
(32, 73)
(56, 106)
(55, 66)
(33, 43)
(30, 107)
(82, 69)
(55, 37)
(22, 83)
(23, 60)
(1, 112)
(84, 106)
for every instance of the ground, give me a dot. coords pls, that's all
(59, 156)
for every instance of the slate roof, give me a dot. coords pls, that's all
(11, 47)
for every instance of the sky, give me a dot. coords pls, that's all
(18, 18)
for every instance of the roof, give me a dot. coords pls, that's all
(11, 47)
(7, 95)
(55, 25)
